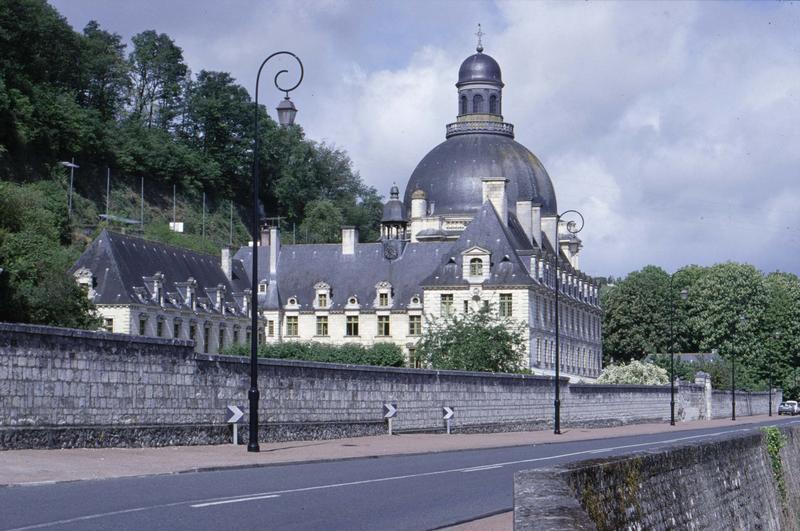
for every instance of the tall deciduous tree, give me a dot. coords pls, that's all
(158, 74)
(104, 71)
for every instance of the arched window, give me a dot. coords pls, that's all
(493, 104)
(463, 105)
(476, 267)
(477, 103)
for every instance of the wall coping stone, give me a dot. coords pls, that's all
(42, 330)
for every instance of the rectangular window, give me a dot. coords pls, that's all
(466, 306)
(446, 303)
(221, 339)
(108, 324)
(322, 325)
(248, 336)
(193, 332)
(176, 329)
(383, 325)
(322, 300)
(505, 305)
(159, 328)
(291, 325)
(414, 361)
(414, 325)
(142, 325)
(271, 328)
(262, 288)
(352, 325)
(235, 336)
(206, 338)
(383, 299)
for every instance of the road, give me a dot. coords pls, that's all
(423, 491)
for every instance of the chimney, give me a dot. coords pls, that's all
(494, 190)
(549, 230)
(220, 298)
(274, 249)
(265, 233)
(536, 222)
(419, 204)
(225, 261)
(525, 218)
(349, 239)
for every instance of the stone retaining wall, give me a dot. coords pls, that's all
(65, 388)
(719, 485)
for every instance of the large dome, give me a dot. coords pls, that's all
(451, 174)
(479, 67)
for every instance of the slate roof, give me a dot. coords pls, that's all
(123, 267)
(487, 232)
(300, 267)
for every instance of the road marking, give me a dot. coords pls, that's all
(378, 480)
(251, 498)
(481, 468)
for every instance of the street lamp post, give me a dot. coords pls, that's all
(777, 337)
(742, 322)
(573, 228)
(684, 296)
(71, 166)
(286, 113)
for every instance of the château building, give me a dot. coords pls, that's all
(477, 225)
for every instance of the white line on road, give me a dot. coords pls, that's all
(481, 468)
(262, 495)
(251, 498)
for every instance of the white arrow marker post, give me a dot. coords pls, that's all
(447, 414)
(234, 414)
(389, 411)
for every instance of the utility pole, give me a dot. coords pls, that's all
(141, 208)
(230, 236)
(204, 215)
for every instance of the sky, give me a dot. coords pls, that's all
(673, 127)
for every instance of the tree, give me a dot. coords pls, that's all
(719, 299)
(637, 314)
(634, 372)
(104, 71)
(323, 222)
(474, 341)
(158, 73)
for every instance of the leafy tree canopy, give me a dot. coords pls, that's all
(474, 341)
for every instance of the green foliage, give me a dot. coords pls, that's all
(775, 441)
(683, 369)
(474, 341)
(380, 354)
(35, 287)
(634, 372)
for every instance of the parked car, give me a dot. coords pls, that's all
(790, 407)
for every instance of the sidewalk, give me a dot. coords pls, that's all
(31, 467)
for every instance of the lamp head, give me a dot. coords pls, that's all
(286, 111)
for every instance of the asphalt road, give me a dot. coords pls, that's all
(402, 492)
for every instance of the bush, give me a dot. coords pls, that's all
(634, 372)
(379, 354)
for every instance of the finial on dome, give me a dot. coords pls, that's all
(394, 191)
(480, 34)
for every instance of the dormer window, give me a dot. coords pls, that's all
(322, 298)
(352, 300)
(85, 281)
(292, 301)
(262, 287)
(383, 298)
(476, 267)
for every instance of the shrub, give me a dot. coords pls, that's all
(380, 354)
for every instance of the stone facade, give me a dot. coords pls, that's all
(66, 387)
(725, 484)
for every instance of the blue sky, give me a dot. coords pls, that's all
(672, 126)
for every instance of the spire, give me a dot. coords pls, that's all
(394, 192)
(479, 34)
